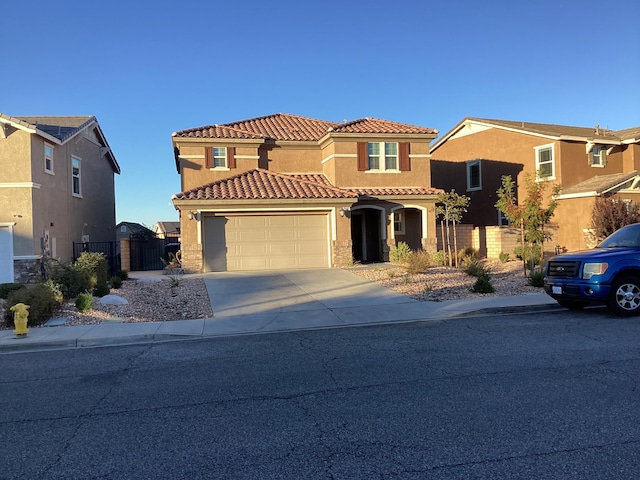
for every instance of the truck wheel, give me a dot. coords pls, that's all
(572, 304)
(624, 298)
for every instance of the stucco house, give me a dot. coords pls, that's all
(586, 162)
(56, 188)
(166, 229)
(286, 191)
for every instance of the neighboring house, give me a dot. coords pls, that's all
(167, 229)
(56, 188)
(285, 191)
(133, 229)
(473, 156)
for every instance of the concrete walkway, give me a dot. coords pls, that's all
(265, 302)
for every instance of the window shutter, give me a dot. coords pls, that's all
(363, 156)
(231, 157)
(208, 157)
(405, 161)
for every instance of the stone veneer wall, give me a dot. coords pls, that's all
(342, 253)
(27, 271)
(192, 259)
(125, 254)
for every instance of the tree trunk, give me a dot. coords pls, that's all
(455, 243)
(524, 256)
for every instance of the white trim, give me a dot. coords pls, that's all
(248, 157)
(220, 169)
(553, 161)
(27, 257)
(20, 185)
(339, 155)
(469, 164)
(7, 224)
(420, 155)
(423, 211)
(565, 196)
(186, 157)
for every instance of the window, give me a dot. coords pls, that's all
(48, 158)
(473, 175)
(219, 157)
(597, 156)
(383, 156)
(398, 222)
(123, 229)
(544, 163)
(503, 221)
(75, 177)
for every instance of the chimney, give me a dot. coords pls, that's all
(597, 129)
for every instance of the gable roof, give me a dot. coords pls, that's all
(135, 227)
(287, 127)
(167, 227)
(60, 130)
(552, 131)
(600, 184)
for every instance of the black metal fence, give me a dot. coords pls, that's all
(111, 250)
(149, 253)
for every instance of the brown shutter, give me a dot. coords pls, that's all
(231, 157)
(208, 157)
(363, 156)
(405, 161)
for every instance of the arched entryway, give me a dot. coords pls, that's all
(409, 224)
(366, 234)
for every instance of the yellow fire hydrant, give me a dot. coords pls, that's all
(20, 319)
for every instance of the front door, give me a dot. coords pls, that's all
(365, 235)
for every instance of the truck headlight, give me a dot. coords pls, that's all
(591, 269)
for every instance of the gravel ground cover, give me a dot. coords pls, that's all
(158, 301)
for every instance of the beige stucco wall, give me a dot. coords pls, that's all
(44, 202)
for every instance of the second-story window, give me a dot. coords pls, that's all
(219, 157)
(545, 169)
(76, 187)
(597, 156)
(383, 156)
(48, 158)
(473, 175)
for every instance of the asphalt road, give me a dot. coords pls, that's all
(537, 396)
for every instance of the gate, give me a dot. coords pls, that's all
(111, 250)
(149, 253)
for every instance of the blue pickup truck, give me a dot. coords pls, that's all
(608, 274)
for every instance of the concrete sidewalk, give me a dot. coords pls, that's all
(253, 303)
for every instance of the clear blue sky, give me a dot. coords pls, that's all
(148, 68)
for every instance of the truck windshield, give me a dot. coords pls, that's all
(628, 236)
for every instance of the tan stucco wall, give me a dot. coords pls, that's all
(48, 205)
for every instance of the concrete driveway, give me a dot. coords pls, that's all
(294, 299)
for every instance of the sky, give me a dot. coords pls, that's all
(146, 69)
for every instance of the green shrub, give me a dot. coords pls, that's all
(122, 274)
(483, 285)
(72, 281)
(418, 262)
(474, 268)
(7, 288)
(438, 258)
(42, 301)
(504, 257)
(400, 253)
(95, 265)
(116, 282)
(84, 302)
(468, 255)
(536, 279)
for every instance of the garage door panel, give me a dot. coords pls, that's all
(260, 242)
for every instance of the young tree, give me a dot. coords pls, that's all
(530, 215)
(450, 208)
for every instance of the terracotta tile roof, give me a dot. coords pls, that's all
(374, 125)
(381, 192)
(262, 184)
(601, 184)
(284, 126)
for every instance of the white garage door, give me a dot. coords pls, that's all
(266, 242)
(6, 255)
